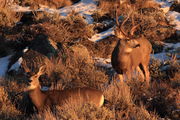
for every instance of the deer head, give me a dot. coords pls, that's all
(34, 78)
(119, 31)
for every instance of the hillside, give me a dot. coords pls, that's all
(74, 40)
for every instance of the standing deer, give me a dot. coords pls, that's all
(44, 99)
(130, 53)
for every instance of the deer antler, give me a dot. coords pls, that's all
(124, 21)
(42, 69)
(134, 26)
(122, 24)
(116, 8)
(133, 29)
(120, 30)
(133, 23)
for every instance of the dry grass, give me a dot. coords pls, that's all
(153, 24)
(71, 68)
(69, 30)
(35, 4)
(7, 108)
(75, 71)
(73, 111)
(123, 101)
(8, 17)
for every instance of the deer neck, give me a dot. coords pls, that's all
(123, 57)
(37, 97)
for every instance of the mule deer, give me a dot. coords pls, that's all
(130, 53)
(44, 99)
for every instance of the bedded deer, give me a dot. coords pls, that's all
(44, 99)
(130, 53)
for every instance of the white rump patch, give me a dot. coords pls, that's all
(101, 101)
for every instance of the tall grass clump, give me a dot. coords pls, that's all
(71, 111)
(69, 30)
(8, 17)
(120, 99)
(35, 4)
(7, 108)
(74, 71)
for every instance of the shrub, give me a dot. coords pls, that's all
(35, 4)
(73, 111)
(8, 17)
(7, 109)
(75, 71)
(69, 30)
(152, 20)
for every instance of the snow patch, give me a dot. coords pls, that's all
(170, 48)
(165, 5)
(172, 45)
(4, 61)
(16, 65)
(103, 62)
(160, 56)
(174, 18)
(102, 35)
(26, 49)
(85, 8)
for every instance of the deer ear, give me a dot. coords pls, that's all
(136, 44)
(42, 70)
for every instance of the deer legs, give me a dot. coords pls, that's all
(142, 70)
(125, 76)
(146, 74)
(121, 78)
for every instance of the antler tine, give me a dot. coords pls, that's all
(124, 21)
(41, 70)
(123, 25)
(133, 24)
(116, 13)
(133, 29)
(132, 16)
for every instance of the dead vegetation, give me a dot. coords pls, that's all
(153, 24)
(8, 17)
(68, 56)
(35, 4)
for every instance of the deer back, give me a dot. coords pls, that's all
(76, 95)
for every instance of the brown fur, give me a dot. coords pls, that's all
(3, 3)
(130, 54)
(59, 97)
(43, 99)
